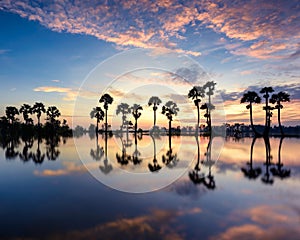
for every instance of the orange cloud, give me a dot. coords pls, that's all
(270, 28)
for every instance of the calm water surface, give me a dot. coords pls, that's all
(50, 193)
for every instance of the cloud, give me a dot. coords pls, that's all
(269, 29)
(3, 51)
(68, 168)
(70, 94)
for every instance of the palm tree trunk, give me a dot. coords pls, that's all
(135, 127)
(198, 120)
(154, 118)
(279, 121)
(170, 129)
(251, 122)
(106, 120)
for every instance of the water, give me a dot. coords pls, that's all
(58, 197)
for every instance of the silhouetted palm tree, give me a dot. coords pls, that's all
(97, 113)
(280, 171)
(124, 109)
(11, 112)
(278, 99)
(52, 150)
(251, 173)
(25, 156)
(155, 101)
(106, 99)
(209, 88)
(38, 108)
(196, 93)
(26, 109)
(136, 114)
(52, 114)
(267, 108)
(170, 109)
(251, 97)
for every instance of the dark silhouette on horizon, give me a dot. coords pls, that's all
(106, 99)
(97, 113)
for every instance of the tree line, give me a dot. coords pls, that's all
(169, 109)
(10, 124)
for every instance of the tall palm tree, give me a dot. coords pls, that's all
(155, 101)
(52, 114)
(124, 109)
(278, 99)
(38, 108)
(136, 114)
(26, 109)
(170, 109)
(97, 113)
(11, 112)
(251, 97)
(106, 99)
(196, 93)
(209, 88)
(267, 108)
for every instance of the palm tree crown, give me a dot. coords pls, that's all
(106, 99)
(11, 112)
(170, 109)
(52, 113)
(38, 108)
(26, 110)
(155, 101)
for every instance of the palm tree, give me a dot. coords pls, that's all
(267, 108)
(11, 112)
(106, 99)
(210, 85)
(251, 97)
(170, 109)
(155, 101)
(26, 109)
(52, 113)
(196, 93)
(278, 99)
(124, 109)
(136, 114)
(38, 108)
(97, 113)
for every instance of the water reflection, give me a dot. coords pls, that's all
(270, 170)
(154, 166)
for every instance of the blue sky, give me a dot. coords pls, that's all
(48, 48)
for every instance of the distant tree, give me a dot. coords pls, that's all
(196, 93)
(155, 101)
(52, 114)
(267, 108)
(106, 99)
(251, 97)
(11, 113)
(26, 109)
(38, 108)
(136, 108)
(278, 99)
(124, 109)
(97, 113)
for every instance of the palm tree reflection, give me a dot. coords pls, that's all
(196, 176)
(123, 158)
(52, 151)
(279, 171)
(250, 172)
(38, 157)
(25, 155)
(155, 166)
(267, 178)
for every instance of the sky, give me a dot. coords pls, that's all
(49, 50)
